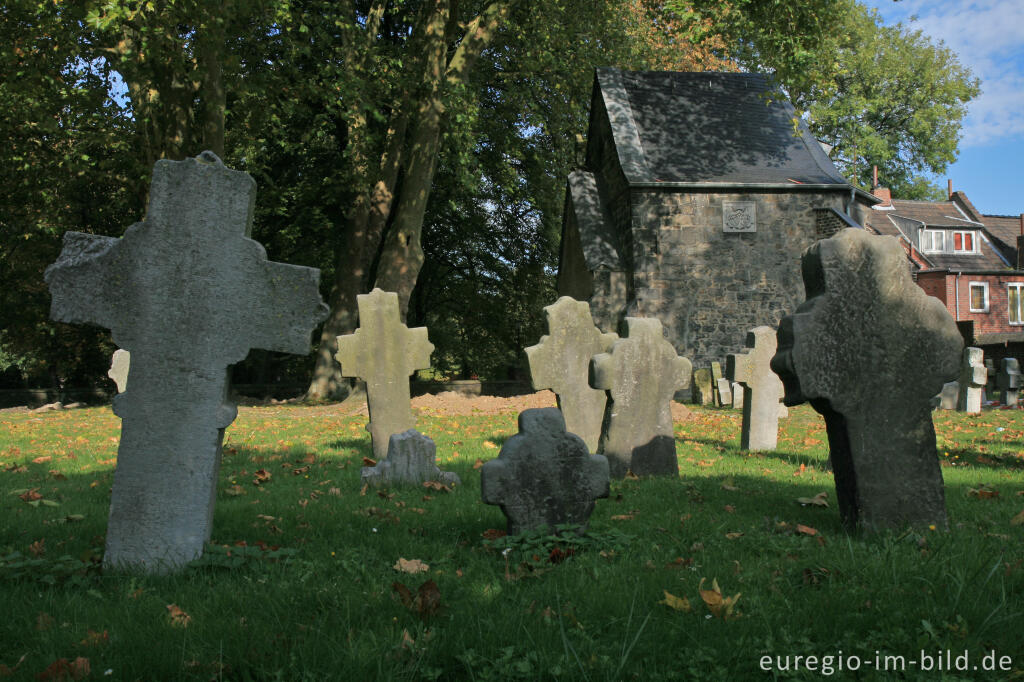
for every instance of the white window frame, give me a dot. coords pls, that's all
(970, 297)
(1019, 286)
(974, 241)
(932, 233)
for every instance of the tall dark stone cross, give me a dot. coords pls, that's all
(188, 294)
(869, 349)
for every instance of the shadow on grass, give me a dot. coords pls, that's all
(782, 455)
(360, 445)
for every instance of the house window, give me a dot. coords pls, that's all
(979, 297)
(1015, 294)
(932, 241)
(964, 242)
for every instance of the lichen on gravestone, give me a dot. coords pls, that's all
(869, 350)
(544, 477)
(188, 294)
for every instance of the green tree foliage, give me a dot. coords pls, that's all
(66, 164)
(417, 145)
(898, 103)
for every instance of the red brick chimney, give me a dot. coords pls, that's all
(882, 193)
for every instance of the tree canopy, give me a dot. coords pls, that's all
(417, 145)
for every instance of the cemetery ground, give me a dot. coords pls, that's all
(310, 577)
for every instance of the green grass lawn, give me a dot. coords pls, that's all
(301, 583)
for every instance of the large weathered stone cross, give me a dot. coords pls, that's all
(869, 349)
(188, 294)
(641, 374)
(561, 361)
(383, 352)
(762, 389)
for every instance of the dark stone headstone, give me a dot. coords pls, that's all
(561, 361)
(188, 294)
(641, 374)
(544, 476)
(869, 349)
(1008, 381)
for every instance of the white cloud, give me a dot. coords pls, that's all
(986, 37)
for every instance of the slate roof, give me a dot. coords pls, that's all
(597, 235)
(933, 213)
(709, 128)
(1004, 230)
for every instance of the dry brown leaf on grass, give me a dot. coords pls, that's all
(1018, 520)
(410, 566)
(733, 536)
(62, 669)
(819, 500)
(719, 606)
(675, 603)
(806, 530)
(368, 462)
(178, 617)
(490, 445)
(983, 492)
(425, 603)
(436, 485)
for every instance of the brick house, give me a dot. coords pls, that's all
(696, 198)
(966, 259)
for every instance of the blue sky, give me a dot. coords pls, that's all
(987, 36)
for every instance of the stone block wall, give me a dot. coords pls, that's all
(709, 287)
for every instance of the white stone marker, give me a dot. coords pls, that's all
(762, 389)
(973, 376)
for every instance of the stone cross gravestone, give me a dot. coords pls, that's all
(383, 352)
(869, 349)
(188, 294)
(973, 376)
(561, 362)
(411, 460)
(544, 476)
(762, 390)
(120, 362)
(1008, 381)
(641, 373)
(702, 386)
